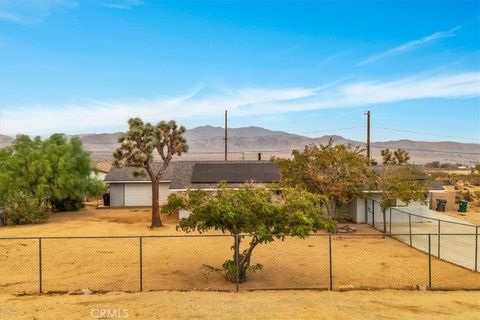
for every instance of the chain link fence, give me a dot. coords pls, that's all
(451, 241)
(191, 262)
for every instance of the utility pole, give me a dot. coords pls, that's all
(226, 136)
(368, 136)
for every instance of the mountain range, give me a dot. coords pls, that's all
(207, 143)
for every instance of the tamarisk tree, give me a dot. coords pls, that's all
(253, 210)
(337, 172)
(137, 147)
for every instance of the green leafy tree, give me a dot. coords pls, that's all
(34, 173)
(337, 172)
(253, 210)
(22, 166)
(68, 173)
(403, 183)
(137, 147)
(23, 208)
(398, 157)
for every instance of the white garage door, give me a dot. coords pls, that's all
(140, 194)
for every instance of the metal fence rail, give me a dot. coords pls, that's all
(187, 262)
(403, 225)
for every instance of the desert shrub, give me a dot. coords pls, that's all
(23, 208)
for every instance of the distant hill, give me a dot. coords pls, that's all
(100, 142)
(5, 140)
(206, 143)
(251, 138)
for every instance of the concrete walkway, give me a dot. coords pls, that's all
(458, 242)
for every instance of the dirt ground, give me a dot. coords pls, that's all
(177, 263)
(387, 304)
(472, 216)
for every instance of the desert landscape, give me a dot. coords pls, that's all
(171, 262)
(206, 143)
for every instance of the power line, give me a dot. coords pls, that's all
(277, 135)
(425, 133)
(291, 149)
(260, 136)
(379, 147)
(427, 150)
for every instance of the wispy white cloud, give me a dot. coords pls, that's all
(11, 17)
(119, 4)
(35, 11)
(208, 103)
(409, 46)
(31, 11)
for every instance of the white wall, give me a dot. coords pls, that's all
(358, 208)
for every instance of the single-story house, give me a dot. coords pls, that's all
(359, 207)
(129, 189)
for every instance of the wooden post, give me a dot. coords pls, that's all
(226, 137)
(368, 137)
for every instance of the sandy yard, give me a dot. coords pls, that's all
(472, 216)
(385, 304)
(176, 263)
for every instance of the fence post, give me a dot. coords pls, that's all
(366, 210)
(40, 289)
(410, 227)
(141, 262)
(237, 265)
(390, 227)
(438, 245)
(429, 261)
(330, 261)
(476, 249)
(373, 213)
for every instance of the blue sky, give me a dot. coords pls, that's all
(299, 66)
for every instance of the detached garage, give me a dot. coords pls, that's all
(130, 187)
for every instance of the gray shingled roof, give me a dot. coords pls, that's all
(179, 173)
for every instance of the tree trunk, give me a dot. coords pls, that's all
(244, 260)
(156, 221)
(332, 207)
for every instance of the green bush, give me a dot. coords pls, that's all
(23, 208)
(67, 204)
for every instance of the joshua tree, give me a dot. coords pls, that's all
(137, 147)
